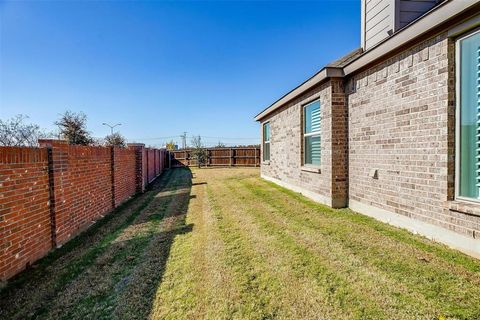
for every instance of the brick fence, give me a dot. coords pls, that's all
(51, 193)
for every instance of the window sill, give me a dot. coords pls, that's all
(465, 206)
(267, 163)
(311, 169)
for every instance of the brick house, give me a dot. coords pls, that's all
(392, 129)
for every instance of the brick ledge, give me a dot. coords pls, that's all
(436, 233)
(310, 169)
(464, 206)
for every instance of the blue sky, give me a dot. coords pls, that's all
(161, 68)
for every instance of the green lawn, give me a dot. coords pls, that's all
(226, 244)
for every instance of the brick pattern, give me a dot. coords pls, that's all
(24, 208)
(83, 190)
(140, 165)
(151, 168)
(50, 194)
(339, 141)
(145, 167)
(286, 144)
(155, 159)
(162, 157)
(388, 138)
(401, 120)
(125, 172)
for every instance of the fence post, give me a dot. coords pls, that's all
(147, 153)
(155, 161)
(139, 159)
(231, 157)
(51, 194)
(57, 158)
(112, 167)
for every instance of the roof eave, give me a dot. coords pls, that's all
(439, 15)
(322, 75)
(436, 17)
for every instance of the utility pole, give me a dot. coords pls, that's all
(111, 127)
(184, 140)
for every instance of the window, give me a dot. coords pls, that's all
(311, 133)
(468, 117)
(266, 141)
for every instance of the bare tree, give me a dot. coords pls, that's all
(198, 151)
(170, 145)
(15, 132)
(98, 142)
(220, 144)
(115, 139)
(73, 128)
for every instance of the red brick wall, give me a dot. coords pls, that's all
(140, 165)
(40, 208)
(83, 191)
(151, 164)
(161, 160)
(125, 173)
(25, 232)
(145, 167)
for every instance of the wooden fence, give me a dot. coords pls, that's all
(224, 157)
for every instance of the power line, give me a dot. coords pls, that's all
(207, 137)
(157, 138)
(230, 138)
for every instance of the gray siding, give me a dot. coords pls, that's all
(380, 18)
(378, 21)
(410, 10)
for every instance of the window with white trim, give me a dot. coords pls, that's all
(311, 133)
(468, 117)
(266, 141)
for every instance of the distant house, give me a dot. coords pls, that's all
(392, 129)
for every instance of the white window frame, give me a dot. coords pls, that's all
(305, 135)
(266, 141)
(457, 116)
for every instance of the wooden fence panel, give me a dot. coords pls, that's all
(219, 157)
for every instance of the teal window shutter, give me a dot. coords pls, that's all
(469, 123)
(266, 141)
(311, 133)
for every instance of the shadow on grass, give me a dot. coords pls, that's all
(113, 268)
(136, 300)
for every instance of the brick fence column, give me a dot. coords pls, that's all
(112, 168)
(57, 163)
(146, 166)
(339, 140)
(140, 159)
